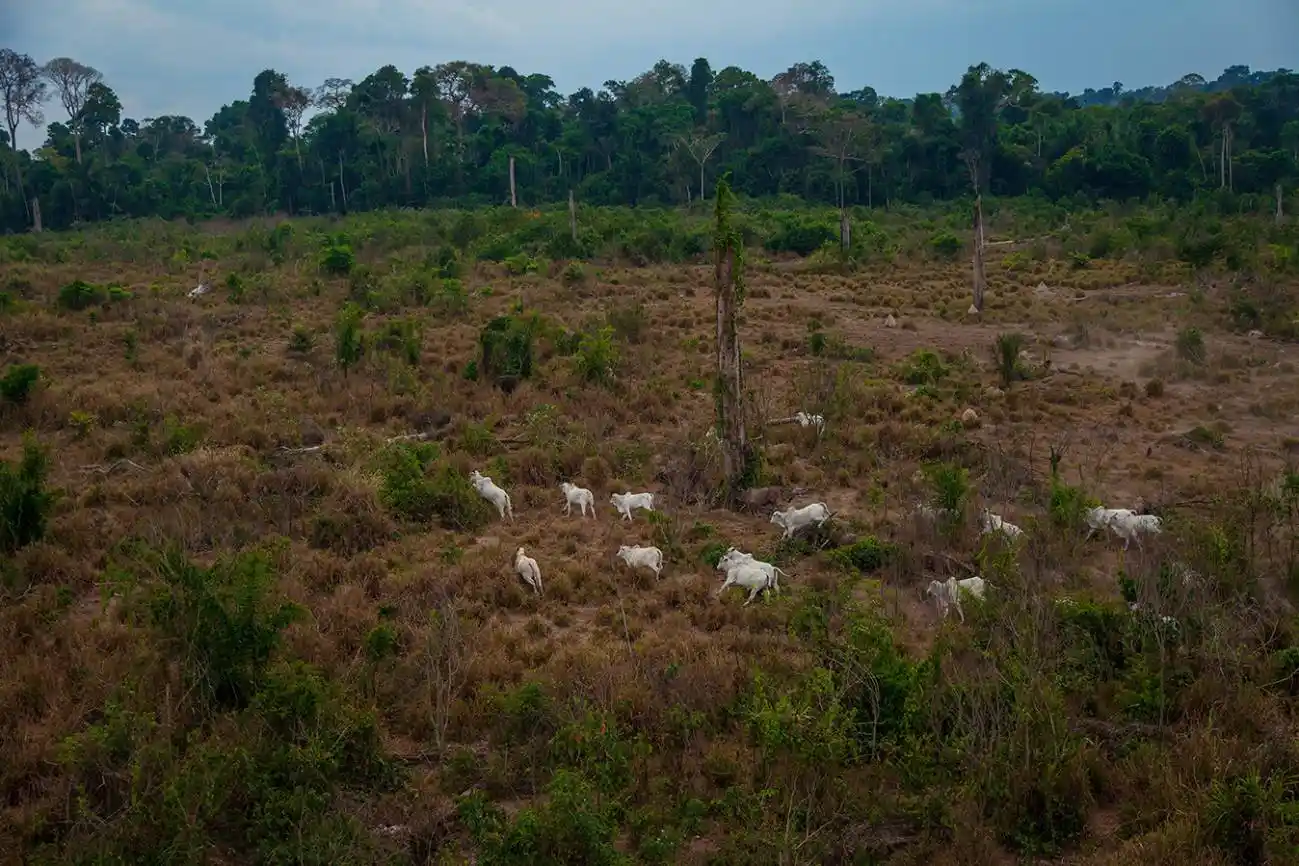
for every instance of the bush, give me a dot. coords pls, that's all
(337, 258)
(1005, 354)
(507, 347)
(800, 233)
(25, 503)
(79, 295)
(597, 357)
(419, 487)
(1190, 346)
(224, 622)
(924, 367)
(18, 383)
(865, 556)
(950, 486)
(349, 342)
(945, 245)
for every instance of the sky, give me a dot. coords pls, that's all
(189, 57)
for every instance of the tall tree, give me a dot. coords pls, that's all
(293, 102)
(981, 96)
(23, 90)
(72, 82)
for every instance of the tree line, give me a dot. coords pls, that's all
(472, 134)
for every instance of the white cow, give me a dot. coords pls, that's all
(795, 519)
(628, 502)
(1131, 527)
(642, 557)
(493, 494)
(579, 496)
(989, 523)
(749, 576)
(733, 557)
(948, 592)
(806, 420)
(528, 569)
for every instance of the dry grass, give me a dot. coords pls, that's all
(117, 425)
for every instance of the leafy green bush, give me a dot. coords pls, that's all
(419, 487)
(800, 233)
(223, 622)
(945, 245)
(18, 383)
(865, 556)
(349, 341)
(1005, 355)
(79, 295)
(597, 356)
(924, 367)
(25, 503)
(337, 258)
(950, 486)
(507, 347)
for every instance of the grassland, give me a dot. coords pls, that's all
(265, 623)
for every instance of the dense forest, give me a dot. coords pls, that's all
(456, 132)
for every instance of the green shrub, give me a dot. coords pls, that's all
(79, 295)
(349, 341)
(945, 245)
(25, 503)
(1005, 355)
(800, 233)
(924, 367)
(19, 382)
(1190, 346)
(404, 338)
(597, 356)
(417, 486)
(301, 340)
(507, 347)
(222, 622)
(950, 486)
(865, 556)
(337, 258)
(628, 321)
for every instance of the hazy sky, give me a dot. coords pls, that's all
(189, 57)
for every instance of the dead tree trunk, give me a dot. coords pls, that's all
(572, 216)
(36, 214)
(980, 282)
(728, 282)
(845, 231)
(514, 201)
(1280, 214)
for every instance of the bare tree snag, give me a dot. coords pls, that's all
(737, 459)
(36, 214)
(980, 281)
(701, 148)
(845, 231)
(572, 215)
(1280, 214)
(514, 201)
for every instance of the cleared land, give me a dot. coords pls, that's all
(623, 710)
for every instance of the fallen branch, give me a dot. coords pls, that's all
(105, 470)
(409, 437)
(310, 449)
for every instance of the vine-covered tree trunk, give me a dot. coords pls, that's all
(729, 285)
(980, 281)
